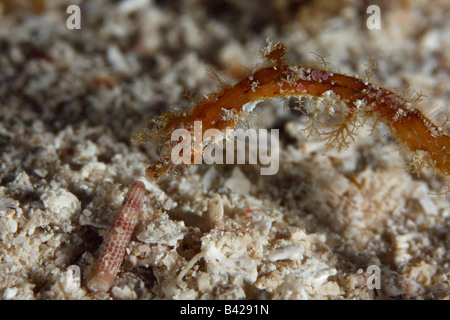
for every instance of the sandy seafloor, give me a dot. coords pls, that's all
(71, 99)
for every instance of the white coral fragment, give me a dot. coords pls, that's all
(61, 202)
(162, 230)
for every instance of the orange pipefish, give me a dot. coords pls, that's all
(426, 132)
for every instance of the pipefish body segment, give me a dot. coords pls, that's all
(356, 98)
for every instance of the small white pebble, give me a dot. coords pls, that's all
(238, 182)
(428, 206)
(9, 293)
